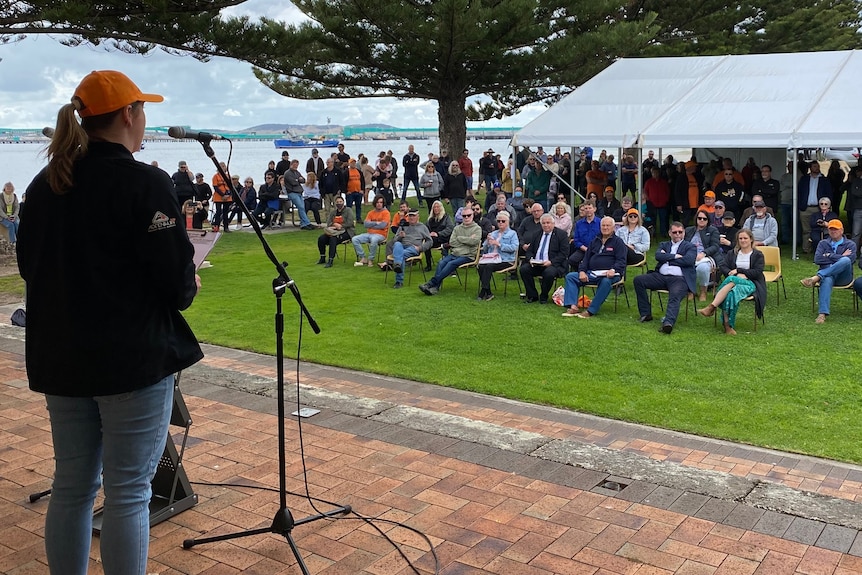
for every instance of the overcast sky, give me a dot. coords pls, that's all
(38, 75)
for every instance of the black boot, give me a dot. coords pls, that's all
(328, 263)
(322, 259)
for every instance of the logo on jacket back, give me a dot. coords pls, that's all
(161, 222)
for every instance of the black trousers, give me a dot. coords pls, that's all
(547, 275)
(333, 242)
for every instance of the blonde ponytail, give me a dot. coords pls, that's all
(68, 143)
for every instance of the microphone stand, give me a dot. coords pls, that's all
(283, 523)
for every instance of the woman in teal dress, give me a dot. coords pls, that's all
(743, 271)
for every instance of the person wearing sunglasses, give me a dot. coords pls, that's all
(463, 246)
(634, 236)
(705, 238)
(675, 273)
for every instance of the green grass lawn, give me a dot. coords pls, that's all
(793, 385)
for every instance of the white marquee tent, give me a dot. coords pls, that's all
(799, 100)
(757, 101)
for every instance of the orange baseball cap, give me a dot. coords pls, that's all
(105, 91)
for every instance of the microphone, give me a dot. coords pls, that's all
(181, 133)
(48, 132)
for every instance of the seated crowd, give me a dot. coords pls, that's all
(531, 232)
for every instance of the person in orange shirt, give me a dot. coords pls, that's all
(376, 224)
(708, 204)
(597, 180)
(222, 199)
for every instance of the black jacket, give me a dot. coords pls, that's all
(270, 192)
(455, 186)
(754, 273)
(104, 293)
(558, 248)
(709, 236)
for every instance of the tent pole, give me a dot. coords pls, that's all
(639, 184)
(795, 180)
(572, 171)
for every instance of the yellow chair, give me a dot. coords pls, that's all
(347, 244)
(616, 287)
(750, 298)
(689, 298)
(468, 266)
(409, 264)
(815, 294)
(506, 272)
(641, 265)
(772, 269)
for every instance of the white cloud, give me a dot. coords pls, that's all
(39, 75)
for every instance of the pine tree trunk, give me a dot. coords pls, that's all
(452, 116)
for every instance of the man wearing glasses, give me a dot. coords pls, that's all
(463, 247)
(675, 274)
(410, 241)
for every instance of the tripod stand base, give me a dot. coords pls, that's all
(282, 524)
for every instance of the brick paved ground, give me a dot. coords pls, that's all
(486, 509)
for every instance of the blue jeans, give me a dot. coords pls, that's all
(489, 184)
(355, 199)
(299, 204)
(456, 203)
(446, 267)
(415, 181)
(841, 272)
(603, 289)
(373, 240)
(399, 254)
(122, 437)
(12, 226)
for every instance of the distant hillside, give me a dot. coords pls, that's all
(310, 129)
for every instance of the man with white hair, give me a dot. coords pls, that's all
(603, 265)
(545, 259)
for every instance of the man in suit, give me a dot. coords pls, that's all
(675, 274)
(545, 258)
(812, 186)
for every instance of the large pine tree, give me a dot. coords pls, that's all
(508, 52)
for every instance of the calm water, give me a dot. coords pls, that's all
(20, 162)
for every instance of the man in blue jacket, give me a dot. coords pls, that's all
(835, 256)
(603, 265)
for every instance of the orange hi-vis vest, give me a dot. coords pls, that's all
(354, 180)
